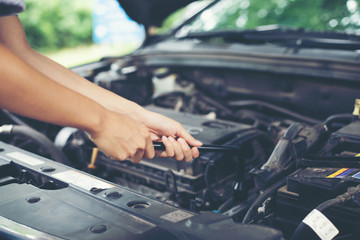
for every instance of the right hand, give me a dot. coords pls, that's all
(121, 137)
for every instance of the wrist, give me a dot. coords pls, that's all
(96, 121)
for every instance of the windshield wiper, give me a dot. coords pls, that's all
(288, 37)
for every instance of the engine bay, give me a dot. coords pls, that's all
(298, 139)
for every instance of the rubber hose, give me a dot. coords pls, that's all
(297, 233)
(39, 138)
(344, 118)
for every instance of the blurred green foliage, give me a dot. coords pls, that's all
(323, 15)
(55, 24)
(51, 25)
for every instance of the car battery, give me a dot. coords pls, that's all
(307, 188)
(42, 199)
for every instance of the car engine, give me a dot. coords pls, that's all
(297, 138)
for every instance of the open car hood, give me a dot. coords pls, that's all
(151, 12)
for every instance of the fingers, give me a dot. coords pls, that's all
(185, 150)
(149, 149)
(146, 150)
(178, 149)
(121, 138)
(195, 152)
(169, 148)
(188, 138)
(179, 156)
(154, 137)
(137, 156)
(134, 152)
(132, 139)
(116, 154)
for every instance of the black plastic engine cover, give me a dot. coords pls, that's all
(41, 199)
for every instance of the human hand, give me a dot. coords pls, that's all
(175, 138)
(121, 137)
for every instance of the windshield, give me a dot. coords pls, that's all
(323, 15)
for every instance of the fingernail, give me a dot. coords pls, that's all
(163, 138)
(171, 139)
(182, 141)
(198, 142)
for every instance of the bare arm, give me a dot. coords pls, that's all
(28, 92)
(159, 127)
(13, 37)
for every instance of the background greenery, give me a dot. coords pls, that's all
(67, 24)
(62, 30)
(321, 15)
(55, 24)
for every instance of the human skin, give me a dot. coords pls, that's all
(35, 86)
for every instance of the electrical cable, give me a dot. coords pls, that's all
(252, 212)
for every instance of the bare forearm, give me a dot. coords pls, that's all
(32, 94)
(35, 86)
(75, 82)
(12, 36)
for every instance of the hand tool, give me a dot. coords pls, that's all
(203, 148)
